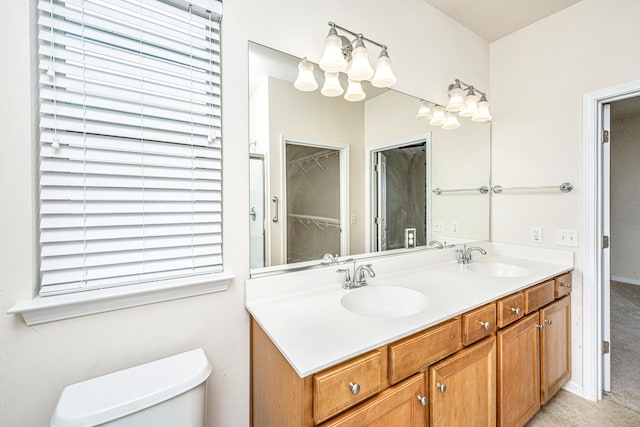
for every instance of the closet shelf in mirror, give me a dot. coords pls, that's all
(318, 221)
(313, 159)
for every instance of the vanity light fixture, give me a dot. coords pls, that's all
(352, 57)
(439, 116)
(451, 122)
(467, 104)
(425, 110)
(306, 81)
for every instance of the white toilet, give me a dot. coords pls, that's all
(167, 392)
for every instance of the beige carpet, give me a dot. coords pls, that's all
(621, 407)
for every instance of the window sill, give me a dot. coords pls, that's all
(51, 308)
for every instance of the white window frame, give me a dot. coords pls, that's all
(78, 303)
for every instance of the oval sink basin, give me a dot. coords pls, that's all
(498, 269)
(384, 301)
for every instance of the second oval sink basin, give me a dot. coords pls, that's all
(384, 301)
(498, 269)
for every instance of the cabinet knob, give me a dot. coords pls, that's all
(548, 321)
(516, 310)
(422, 399)
(485, 325)
(566, 285)
(441, 387)
(354, 387)
(541, 327)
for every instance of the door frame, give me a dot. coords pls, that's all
(343, 153)
(593, 307)
(369, 201)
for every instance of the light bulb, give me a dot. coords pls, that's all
(482, 115)
(354, 91)
(332, 86)
(424, 111)
(360, 67)
(383, 76)
(306, 81)
(456, 98)
(471, 101)
(439, 116)
(451, 122)
(333, 59)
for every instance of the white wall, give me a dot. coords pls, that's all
(625, 195)
(538, 77)
(36, 362)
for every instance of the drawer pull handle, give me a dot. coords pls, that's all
(441, 387)
(485, 325)
(566, 285)
(516, 310)
(541, 327)
(422, 399)
(354, 387)
(548, 321)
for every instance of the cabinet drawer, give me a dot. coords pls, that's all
(538, 296)
(478, 324)
(418, 351)
(400, 405)
(563, 285)
(510, 309)
(344, 385)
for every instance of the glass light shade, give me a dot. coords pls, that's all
(482, 115)
(306, 81)
(360, 67)
(383, 76)
(333, 59)
(471, 101)
(424, 111)
(456, 99)
(331, 86)
(439, 116)
(451, 122)
(354, 91)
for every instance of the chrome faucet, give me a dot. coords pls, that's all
(436, 243)
(464, 255)
(329, 259)
(359, 278)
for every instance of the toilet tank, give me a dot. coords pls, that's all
(166, 392)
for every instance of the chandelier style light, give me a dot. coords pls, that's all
(350, 56)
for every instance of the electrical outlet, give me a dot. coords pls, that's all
(454, 226)
(535, 234)
(438, 225)
(409, 237)
(567, 238)
(354, 219)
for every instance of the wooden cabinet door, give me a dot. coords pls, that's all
(555, 347)
(462, 388)
(518, 372)
(398, 406)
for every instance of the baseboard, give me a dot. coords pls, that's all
(574, 388)
(626, 280)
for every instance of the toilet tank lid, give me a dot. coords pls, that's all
(112, 396)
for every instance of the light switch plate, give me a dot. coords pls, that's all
(567, 238)
(454, 226)
(438, 225)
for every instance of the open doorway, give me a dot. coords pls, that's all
(400, 202)
(624, 290)
(596, 254)
(315, 189)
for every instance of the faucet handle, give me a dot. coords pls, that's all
(347, 275)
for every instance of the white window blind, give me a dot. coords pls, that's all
(130, 149)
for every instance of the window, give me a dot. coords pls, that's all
(130, 142)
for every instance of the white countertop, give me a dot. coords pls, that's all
(302, 314)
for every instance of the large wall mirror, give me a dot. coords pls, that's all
(345, 178)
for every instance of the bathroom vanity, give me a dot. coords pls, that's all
(490, 345)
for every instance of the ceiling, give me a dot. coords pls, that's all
(494, 19)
